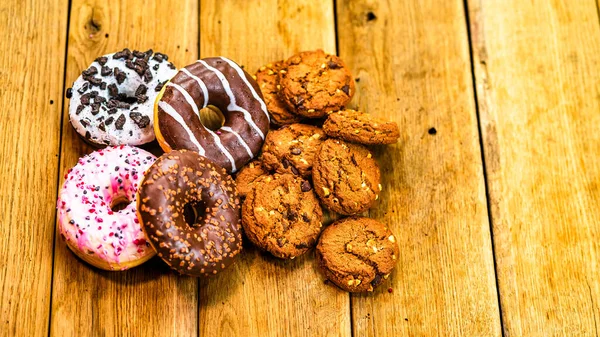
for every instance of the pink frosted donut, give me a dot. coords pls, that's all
(89, 222)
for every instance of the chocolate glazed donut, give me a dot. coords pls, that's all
(219, 82)
(176, 180)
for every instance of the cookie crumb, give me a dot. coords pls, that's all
(432, 131)
(371, 16)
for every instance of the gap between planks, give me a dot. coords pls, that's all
(482, 149)
(58, 168)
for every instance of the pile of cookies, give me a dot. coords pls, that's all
(322, 161)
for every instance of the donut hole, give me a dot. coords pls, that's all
(212, 117)
(119, 203)
(192, 212)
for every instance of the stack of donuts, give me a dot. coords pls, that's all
(120, 205)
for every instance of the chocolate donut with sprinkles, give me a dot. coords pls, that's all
(190, 211)
(112, 101)
(221, 83)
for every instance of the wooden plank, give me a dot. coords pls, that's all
(537, 66)
(32, 57)
(148, 300)
(411, 60)
(261, 295)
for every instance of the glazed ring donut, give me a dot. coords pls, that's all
(112, 101)
(176, 181)
(107, 239)
(221, 83)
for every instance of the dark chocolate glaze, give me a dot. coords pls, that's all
(184, 177)
(242, 135)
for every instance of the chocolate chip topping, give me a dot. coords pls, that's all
(123, 54)
(85, 99)
(95, 81)
(120, 122)
(346, 89)
(333, 65)
(160, 57)
(69, 93)
(141, 90)
(306, 186)
(109, 121)
(120, 75)
(147, 75)
(139, 119)
(181, 178)
(102, 60)
(159, 86)
(137, 53)
(90, 71)
(105, 71)
(95, 108)
(83, 88)
(113, 90)
(80, 108)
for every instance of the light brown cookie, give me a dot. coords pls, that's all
(359, 127)
(314, 83)
(346, 177)
(357, 254)
(248, 176)
(267, 78)
(292, 148)
(282, 215)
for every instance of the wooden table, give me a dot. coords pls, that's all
(493, 190)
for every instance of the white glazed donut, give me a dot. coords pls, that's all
(112, 101)
(107, 239)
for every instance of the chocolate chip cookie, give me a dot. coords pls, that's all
(282, 215)
(346, 177)
(359, 127)
(357, 253)
(247, 177)
(267, 78)
(314, 83)
(292, 148)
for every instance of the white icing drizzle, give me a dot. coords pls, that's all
(240, 72)
(194, 106)
(228, 129)
(171, 112)
(186, 95)
(200, 83)
(232, 104)
(222, 148)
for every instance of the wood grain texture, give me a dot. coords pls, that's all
(261, 295)
(416, 71)
(537, 66)
(147, 300)
(32, 71)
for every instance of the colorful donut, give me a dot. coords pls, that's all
(184, 180)
(112, 101)
(221, 83)
(107, 239)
